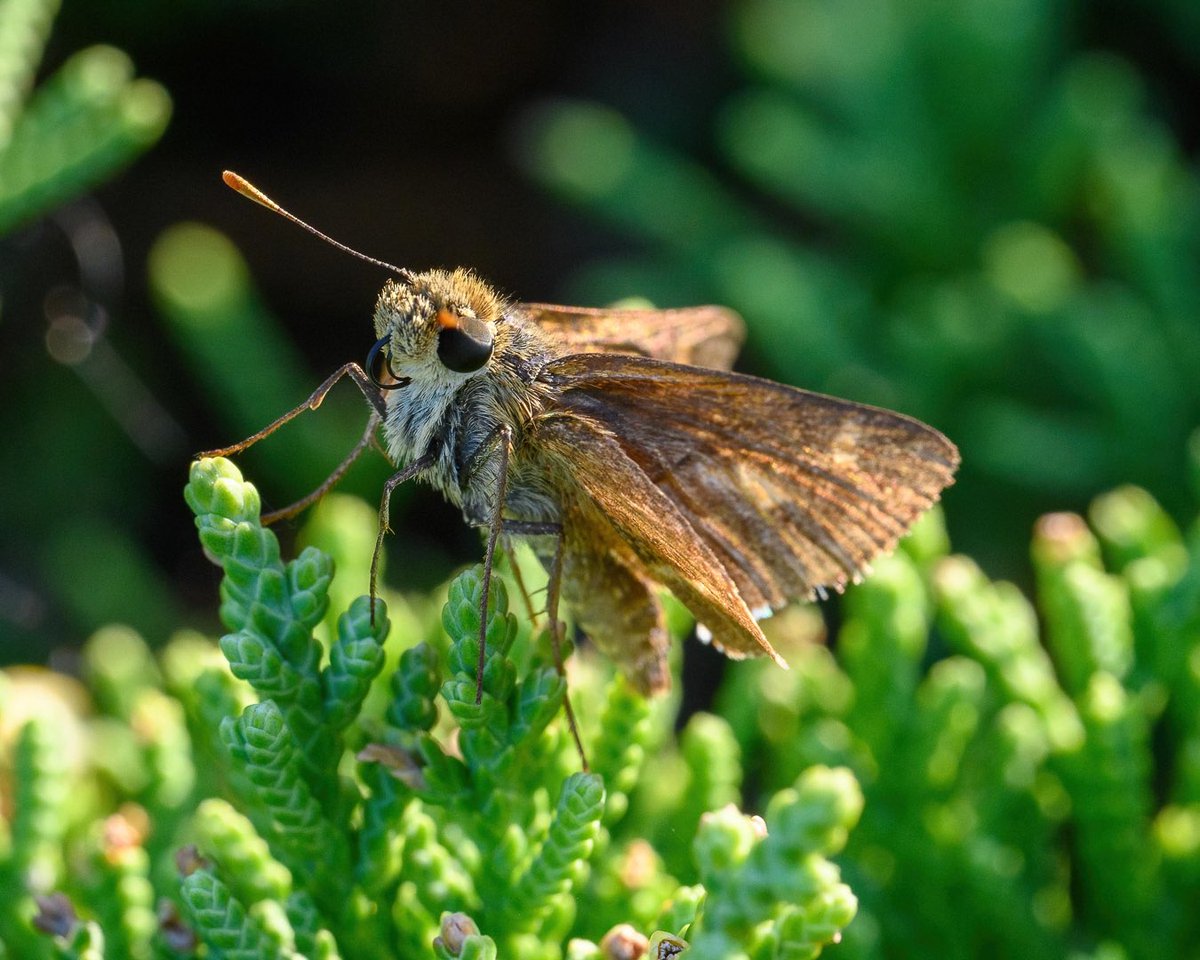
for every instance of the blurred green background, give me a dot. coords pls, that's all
(985, 214)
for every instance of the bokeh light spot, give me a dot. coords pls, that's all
(1032, 265)
(197, 270)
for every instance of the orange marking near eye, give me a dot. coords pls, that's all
(447, 320)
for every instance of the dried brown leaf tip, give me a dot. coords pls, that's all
(664, 946)
(401, 764)
(456, 928)
(623, 942)
(175, 932)
(55, 915)
(188, 860)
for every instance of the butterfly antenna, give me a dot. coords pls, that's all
(243, 186)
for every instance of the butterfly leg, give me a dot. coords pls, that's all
(351, 370)
(504, 439)
(553, 594)
(553, 590)
(385, 508)
(378, 411)
(526, 598)
(331, 481)
(503, 452)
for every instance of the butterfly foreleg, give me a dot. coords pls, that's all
(378, 411)
(385, 508)
(330, 481)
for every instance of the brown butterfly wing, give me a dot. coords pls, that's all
(789, 491)
(699, 336)
(614, 600)
(606, 492)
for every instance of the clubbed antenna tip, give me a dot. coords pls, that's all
(235, 181)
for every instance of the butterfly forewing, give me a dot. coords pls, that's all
(790, 491)
(699, 336)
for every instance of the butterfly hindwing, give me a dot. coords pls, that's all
(789, 491)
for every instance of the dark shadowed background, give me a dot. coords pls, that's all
(987, 217)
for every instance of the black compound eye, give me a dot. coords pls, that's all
(464, 343)
(379, 363)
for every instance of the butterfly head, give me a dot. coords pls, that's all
(436, 326)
